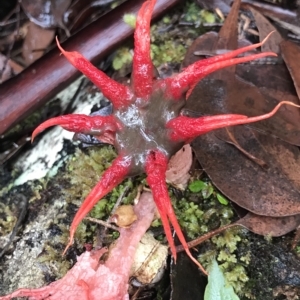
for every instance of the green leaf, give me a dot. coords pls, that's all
(222, 199)
(197, 185)
(217, 288)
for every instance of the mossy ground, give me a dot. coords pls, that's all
(170, 37)
(199, 211)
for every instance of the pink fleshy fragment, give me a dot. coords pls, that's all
(122, 255)
(72, 286)
(89, 280)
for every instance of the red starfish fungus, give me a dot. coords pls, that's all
(146, 126)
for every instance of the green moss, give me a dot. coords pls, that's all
(226, 247)
(103, 208)
(130, 19)
(7, 218)
(85, 169)
(198, 16)
(156, 223)
(166, 19)
(123, 56)
(197, 185)
(200, 211)
(193, 13)
(237, 277)
(168, 45)
(167, 52)
(115, 4)
(228, 239)
(55, 262)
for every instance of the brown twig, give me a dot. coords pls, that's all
(32, 88)
(103, 223)
(206, 237)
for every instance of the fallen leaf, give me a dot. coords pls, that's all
(36, 42)
(265, 27)
(179, 166)
(231, 94)
(271, 191)
(291, 56)
(269, 226)
(289, 52)
(286, 18)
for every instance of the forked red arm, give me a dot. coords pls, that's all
(228, 55)
(186, 80)
(186, 128)
(142, 69)
(109, 180)
(94, 125)
(156, 166)
(156, 171)
(119, 94)
(190, 76)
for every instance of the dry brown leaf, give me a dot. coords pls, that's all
(269, 226)
(5, 68)
(36, 42)
(179, 167)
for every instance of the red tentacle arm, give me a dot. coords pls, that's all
(119, 94)
(109, 180)
(187, 80)
(159, 201)
(189, 77)
(185, 128)
(229, 55)
(142, 70)
(94, 125)
(156, 167)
